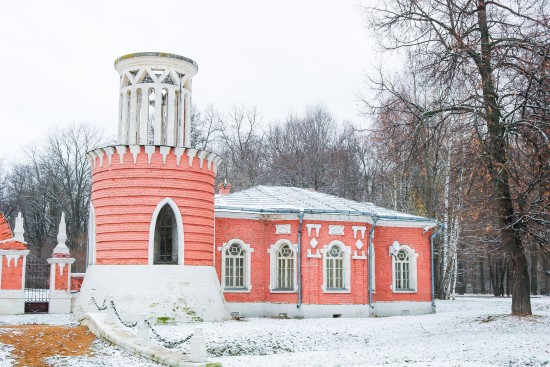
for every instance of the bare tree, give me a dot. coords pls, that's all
(479, 59)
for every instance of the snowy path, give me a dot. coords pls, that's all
(468, 332)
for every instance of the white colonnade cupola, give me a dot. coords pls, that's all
(155, 99)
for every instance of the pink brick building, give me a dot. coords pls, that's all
(161, 241)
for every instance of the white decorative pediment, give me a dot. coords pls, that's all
(316, 254)
(313, 242)
(362, 256)
(311, 226)
(359, 244)
(336, 230)
(282, 228)
(361, 229)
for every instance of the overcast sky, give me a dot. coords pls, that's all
(280, 56)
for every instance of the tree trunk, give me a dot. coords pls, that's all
(534, 273)
(498, 167)
(482, 276)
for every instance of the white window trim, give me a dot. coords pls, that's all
(152, 226)
(247, 264)
(346, 264)
(413, 269)
(273, 265)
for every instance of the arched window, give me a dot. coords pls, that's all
(166, 244)
(403, 268)
(166, 239)
(336, 267)
(236, 266)
(283, 267)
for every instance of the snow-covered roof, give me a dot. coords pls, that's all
(281, 199)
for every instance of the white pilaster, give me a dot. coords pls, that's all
(171, 127)
(144, 115)
(158, 115)
(132, 136)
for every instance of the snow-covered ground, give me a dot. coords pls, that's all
(467, 332)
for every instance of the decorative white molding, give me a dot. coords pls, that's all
(248, 250)
(313, 243)
(311, 226)
(316, 254)
(109, 151)
(178, 152)
(164, 151)
(121, 150)
(336, 230)
(362, 229)
(282, 229)
(100, 153)
(273, 268)
(210, 158)
(346, 254)
(19, 231)
(94, 157)
(149, 150)
(180, 230)
(359, 257)
(201, 155)
(217, 162)
(359, 244)
(14, 258)
(135, 150)
(191, 154)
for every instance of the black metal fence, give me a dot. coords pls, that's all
(37, 285)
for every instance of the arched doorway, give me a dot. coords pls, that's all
(166, 237)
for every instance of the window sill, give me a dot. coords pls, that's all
(229, 290)
(405, 291)
(283, 291)
(336, 291)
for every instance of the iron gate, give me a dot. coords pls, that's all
(37, 285)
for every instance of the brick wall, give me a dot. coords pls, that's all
(12, 274)
(125, 196)
(260, 234)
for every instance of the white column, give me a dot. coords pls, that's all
(181, 128)
(144, 115)
(158, 114)
(132, 136)
(171, 123)
(123, 136)
(187, 124)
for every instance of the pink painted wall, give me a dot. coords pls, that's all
(125, 196)
(260, 234)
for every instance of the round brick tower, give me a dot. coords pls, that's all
(152, 201)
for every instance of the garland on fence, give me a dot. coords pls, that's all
(102, 308)
(167, 343)
(128, 325)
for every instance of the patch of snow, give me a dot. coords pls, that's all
(6, 359)
(470, 331)
(44, 319)
(103, 354)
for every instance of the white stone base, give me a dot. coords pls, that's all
(60, 302)
(401, 308)
(12, 302)
(330, 311)
(126, 338)
(171, 292)
(291, 311)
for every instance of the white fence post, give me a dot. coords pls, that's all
(143, 335)
(198, 346)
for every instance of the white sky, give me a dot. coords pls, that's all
(57, 57)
